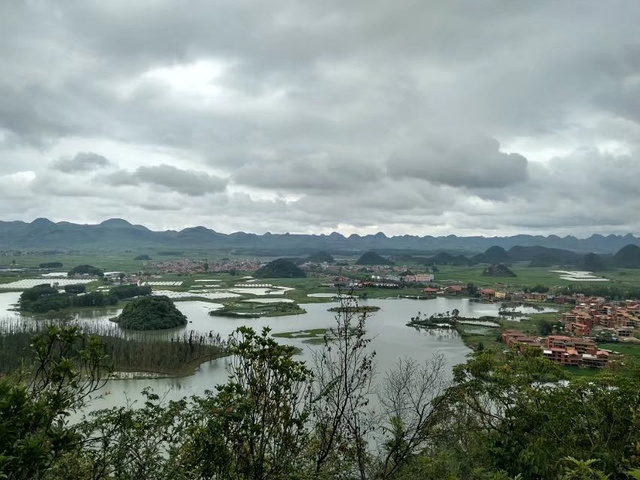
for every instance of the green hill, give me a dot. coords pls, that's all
(627, 257)
(497, 270)
(543, 256)
(492, 255)
(593, 263)
(373, 258)
(444, 258)
(320, 257)
(280, 268)
(151, 313)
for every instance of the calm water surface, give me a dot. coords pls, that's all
(391, 339)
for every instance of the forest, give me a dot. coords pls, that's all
(498, 418)
(44, 298)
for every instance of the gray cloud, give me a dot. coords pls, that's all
(188, 182)
(436, 117)
(476, 163)
(81, 162)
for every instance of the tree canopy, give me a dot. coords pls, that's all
(86, 270)
(151, 313)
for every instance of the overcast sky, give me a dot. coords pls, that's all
(419, 117)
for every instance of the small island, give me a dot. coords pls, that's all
(150, 313)
(355, 309)
(257, 310)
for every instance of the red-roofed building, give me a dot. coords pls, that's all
(487, 294)
(430, 291)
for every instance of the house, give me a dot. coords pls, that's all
(579, 329)
(455, 290)
(567, 351)
(598, 360)
(514, 338)
(430, 291)
(487, 294)
(624, 332)
(585, 345)
(424, 277)
(558, 341)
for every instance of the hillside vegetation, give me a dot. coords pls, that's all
(498, 270)
(280, 268)
(493, 254)
(320, 257)
(628, 257)
(373, 258)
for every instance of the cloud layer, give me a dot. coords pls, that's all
(438, 117)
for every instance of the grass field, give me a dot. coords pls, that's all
(531, 276)
(632, 350)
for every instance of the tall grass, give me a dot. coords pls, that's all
(170, 353)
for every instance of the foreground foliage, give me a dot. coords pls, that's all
(278, 418)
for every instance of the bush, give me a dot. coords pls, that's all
(75, 289)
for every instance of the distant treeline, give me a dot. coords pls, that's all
(44, 298)
(174, 355)
(51, 265)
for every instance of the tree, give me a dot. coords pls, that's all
(347, 430)
(342, 390)
(255, 426)
(409, 399)
(503, 415)
(34, 431)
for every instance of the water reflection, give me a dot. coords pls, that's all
(391, 338)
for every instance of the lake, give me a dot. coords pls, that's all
(391, 339)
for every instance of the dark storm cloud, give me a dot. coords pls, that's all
(476, 163)
(81, 162)
(193, 183)
(442, 116)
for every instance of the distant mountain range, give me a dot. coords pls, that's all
(118, 234)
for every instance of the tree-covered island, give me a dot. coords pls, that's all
(150, 313)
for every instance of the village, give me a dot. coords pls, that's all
(592, 319)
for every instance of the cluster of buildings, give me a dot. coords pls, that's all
(454, 290)
(591, 317)
(562, 349)
(188, 267)
(594, 315)
(383, 281)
